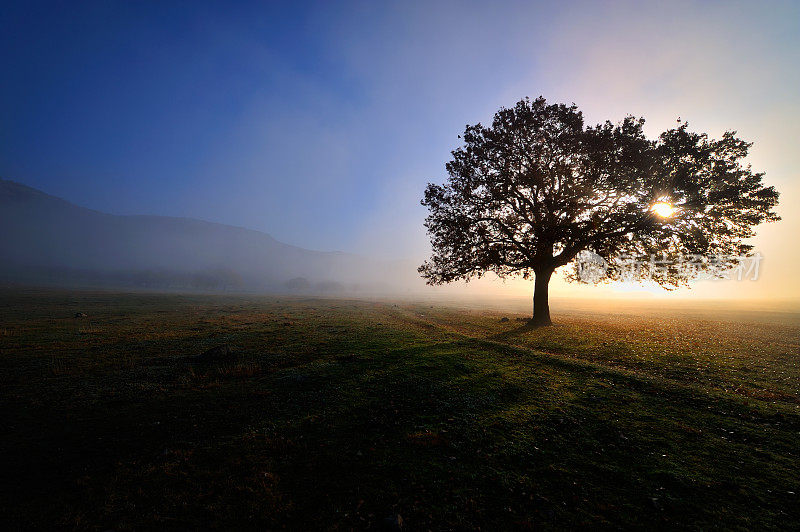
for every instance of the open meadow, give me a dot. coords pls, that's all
(341, 414)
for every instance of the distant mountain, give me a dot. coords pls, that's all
(46, 239)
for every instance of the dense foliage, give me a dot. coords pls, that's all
(529, 193)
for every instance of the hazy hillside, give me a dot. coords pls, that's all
(47, 239)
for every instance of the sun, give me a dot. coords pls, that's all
(663, 209)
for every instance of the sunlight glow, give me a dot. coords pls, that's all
(663, 209)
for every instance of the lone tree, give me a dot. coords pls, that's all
(538, 187)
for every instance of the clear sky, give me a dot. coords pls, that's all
(320, 123)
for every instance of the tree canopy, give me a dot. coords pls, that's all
(529, 193)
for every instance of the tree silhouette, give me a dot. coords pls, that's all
(529, 193)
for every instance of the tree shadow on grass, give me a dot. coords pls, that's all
(523, 328)
(344, 442)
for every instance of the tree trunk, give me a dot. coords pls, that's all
(541, 303)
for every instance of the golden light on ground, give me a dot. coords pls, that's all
(663, 209)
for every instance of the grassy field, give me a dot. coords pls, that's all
(341, 414)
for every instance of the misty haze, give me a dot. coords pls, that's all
(50, 241)
(399, 266)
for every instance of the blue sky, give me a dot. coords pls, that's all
(320, 123)
(287, 118)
